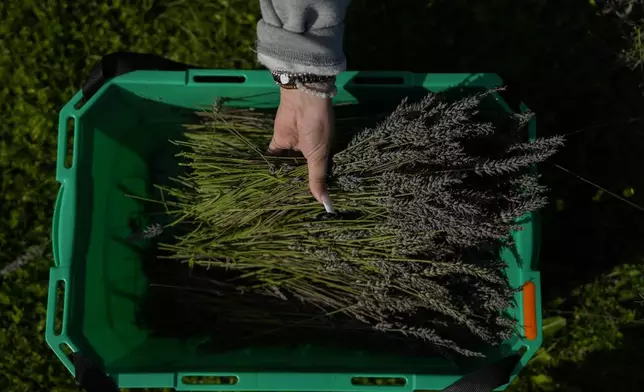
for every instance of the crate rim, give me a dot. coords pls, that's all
(75, 108)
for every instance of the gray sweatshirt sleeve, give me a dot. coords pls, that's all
(302, 35)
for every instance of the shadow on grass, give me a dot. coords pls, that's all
(618, 368)
(561, 60)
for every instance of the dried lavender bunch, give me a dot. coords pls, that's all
(416, 196)
(421, 161)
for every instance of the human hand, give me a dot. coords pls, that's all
(304, 123)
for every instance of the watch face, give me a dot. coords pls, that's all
(284, 79)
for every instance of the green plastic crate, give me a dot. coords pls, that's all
(116, 133)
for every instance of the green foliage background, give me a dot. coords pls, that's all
(46, 50)
(561, 58)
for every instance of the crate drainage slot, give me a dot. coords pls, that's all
(210, 380)
(379, 381)
(378, 80)
(219, 79)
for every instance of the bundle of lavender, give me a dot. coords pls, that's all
(424, 202)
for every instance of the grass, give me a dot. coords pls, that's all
(562, 58)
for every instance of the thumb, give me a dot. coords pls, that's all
(284, 134)
(317, 180)
(279, 143)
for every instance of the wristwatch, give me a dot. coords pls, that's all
(291, 80)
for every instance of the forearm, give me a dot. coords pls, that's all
(302, 35)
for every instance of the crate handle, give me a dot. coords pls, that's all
(55, 225)
(56, 340)
(67, 127)
(484, 379)
(380, 382)
(218, 79)
(275, 381)
(394, 80)
(52, 305)
(379, 79)
(61, 248)
(119, 63)
(88, 374)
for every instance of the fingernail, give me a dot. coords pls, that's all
(328, 204)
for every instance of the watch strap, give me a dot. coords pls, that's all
(291, 80)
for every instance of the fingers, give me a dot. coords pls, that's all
(305, 123)
(317, 165)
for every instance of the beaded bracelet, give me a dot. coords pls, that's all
(318, 85)
(322, 90)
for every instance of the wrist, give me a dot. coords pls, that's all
(324, 87)
(321, 86)
(297, 97)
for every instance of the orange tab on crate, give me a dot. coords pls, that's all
(530, 310)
